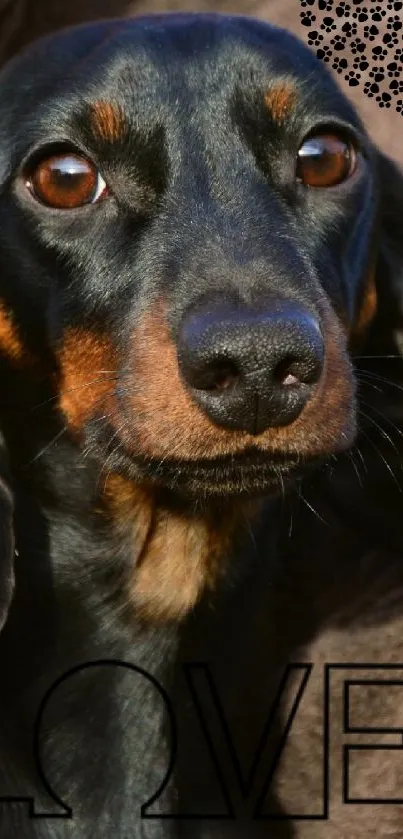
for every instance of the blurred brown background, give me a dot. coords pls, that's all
(24, 20)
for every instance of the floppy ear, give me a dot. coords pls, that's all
(6, 539)
(386, 333)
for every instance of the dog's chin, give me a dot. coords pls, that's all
(242, 476)
(250, 474)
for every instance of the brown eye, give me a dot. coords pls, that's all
(66, 181)
(325, 160)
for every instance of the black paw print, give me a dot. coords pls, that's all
(353, 78)
(343, 9)
(340, 64)
(394, 23)
(390, 39)
(370, 89)
(394, 69)
(377, 13)
(370, 32)
(305, 3)
(315, 38)
(328, 24)
(338, 42)
(360, 63)
(396, 86)
(307, 18)
(361, 14)
(325, 5)
(350, 28)
(377, 73)
(399, 106)
(325, 54)
(357, 46)
(384, 100)
(396, 6)
(379, 53)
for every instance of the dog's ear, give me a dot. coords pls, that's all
(6, 539)
(386, 334)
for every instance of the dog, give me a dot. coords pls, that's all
(197, 238)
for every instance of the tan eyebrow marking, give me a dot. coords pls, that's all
(279, 100)
(107, 121)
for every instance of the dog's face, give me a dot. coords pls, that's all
(187, 229)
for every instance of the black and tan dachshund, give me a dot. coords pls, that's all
(197, 237)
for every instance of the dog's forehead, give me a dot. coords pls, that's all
(158, 55)
(159, 70)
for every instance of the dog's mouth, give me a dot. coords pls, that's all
(250, 473)
(247, 474)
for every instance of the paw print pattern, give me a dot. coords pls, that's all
(394, 69)
(357, 46)
(353, 78)
(338, 42)
(362, 41)
(340, 64)
(315, 38)
(360, 64)
(370, 32)
(307, 18)
(377, 73)
(391, 39)
(371, 89)
(328, 24)
(325, 53)
(377, 13)
(361, 14)
(394, 23)
(343, 9)
(384, 100)
(396, 86)
(379, 53)
(349, 28)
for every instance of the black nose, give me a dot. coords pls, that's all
(251, 370)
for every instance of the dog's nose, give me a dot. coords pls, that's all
(251, 370)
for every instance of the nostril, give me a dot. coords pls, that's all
(292, 372)
(215, 377)
(285, 374)
(225, 378)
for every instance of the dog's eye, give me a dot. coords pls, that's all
(325, 160)
(66, 181)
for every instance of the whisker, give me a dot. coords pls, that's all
(381, 431)
(381, 357)
(48, 446)
(355, 467)
(382, 379)
(388, 467)
(370, 384)
(312, 509)
(383, 417)
(361, 456)
(108, 375)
